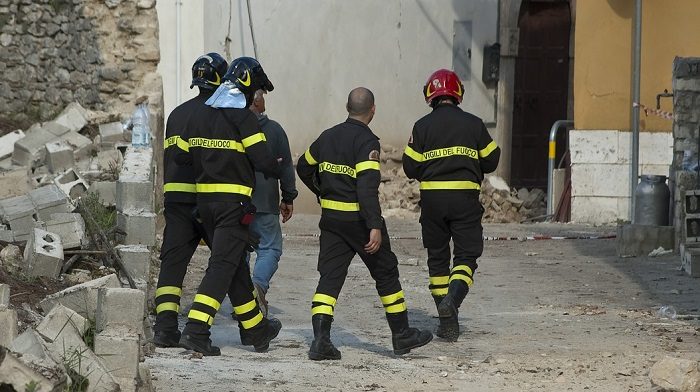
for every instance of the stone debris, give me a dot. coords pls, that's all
(675, 374)
(49, 200)
(7, 142)
(120, 307)
(72, 184)
(399, 195)
(18, 373)
(70, 227)
(8, 324)
(43, 255)
(81, 298)
(59, 156)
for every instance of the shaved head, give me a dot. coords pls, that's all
(360, 102)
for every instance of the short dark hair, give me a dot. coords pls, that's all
(360, 101)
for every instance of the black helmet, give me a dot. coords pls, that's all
(208, 70)
(248, 76)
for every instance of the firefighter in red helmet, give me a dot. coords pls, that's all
(449, 152)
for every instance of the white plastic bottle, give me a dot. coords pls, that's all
(141, 131)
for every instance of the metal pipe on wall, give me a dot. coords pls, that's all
(636, 76)
(178, 45)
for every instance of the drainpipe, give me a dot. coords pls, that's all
(178, 47)
(636, 73)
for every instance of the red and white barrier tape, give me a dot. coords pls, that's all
(656, 112)
(488, 238)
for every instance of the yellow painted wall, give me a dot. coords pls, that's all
(603, 58)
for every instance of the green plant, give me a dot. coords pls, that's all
(104, 217)
(89, 335)
(31, 386)
(73, 362)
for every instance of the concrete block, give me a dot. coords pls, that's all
(594, 146)
(136, 259)
(655, 148)
(639, 240)
(118, 307)
(60, 318)
(106, 190)
(145, 379)
(4, 295)
(70, 227)
(81, 298)
(43, 255)
(690, 261)
(119, 350)
(7, 143)
(586, 180)
(30, 343)
(140, 227)
(73, 117)
(8, 326)
(59, 156)
(19, 213)
(82, 145)
(72, 184)
(14, 183)
(111, 133)
(30, 150)
(16, 375)
(49, 200)
(54, 128)
(7, 236)
(135, 188)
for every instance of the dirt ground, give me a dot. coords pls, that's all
(551, 315)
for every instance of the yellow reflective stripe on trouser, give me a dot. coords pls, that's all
(165, 306)
(200, 316)
(324, 299)
(488, 149)
(207, 300)
(224, 188)
(391, 298)
(245, 308)
(439, 292)
(438, 285)
(250, 140)
(309, 158)
(390, 302)
(172, 290)
(446, 185)
(221, 144)
(367, 165)
(437, 280)
(339, 205)
(179, 187)
(413, 154)
(464, 268)
(398, 308)
(322, 309)
(467, 277)
(248, 324)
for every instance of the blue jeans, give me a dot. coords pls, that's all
(267, 227)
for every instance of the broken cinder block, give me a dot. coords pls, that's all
(136, 260)
(110, 134)
(81, 298)
(106, 190)
(43, 255)
(72, 184)
(8, 326)
(18, 375)
(57, 319)
(59, 156)
(19, 213)
(70, 227)
(49, 200)
(120, 307)
(4, 295)
(691, 261)
(119, 349)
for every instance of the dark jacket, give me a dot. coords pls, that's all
(266, 196)
(342, 168)
(222, 145)
(450, 149)
(178, 181)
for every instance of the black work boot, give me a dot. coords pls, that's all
(166, 333)
(195, 337)
(269, 332)
(321, 347)
(404, 338)
(440, 332)
(165, 339)
(448, 310)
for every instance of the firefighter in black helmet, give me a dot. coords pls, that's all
(222, 145)
(448, 152)
(182, 231)
(342, 168)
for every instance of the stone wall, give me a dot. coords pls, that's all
(102, 54)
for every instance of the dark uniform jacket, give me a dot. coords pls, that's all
(450, 149)
(222, 145)
(342, 168)
(178, 181)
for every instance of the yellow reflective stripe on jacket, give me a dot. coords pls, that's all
(250, 140)
(245, 308)
(367, 165)
(172, 290)
(200, 316)
(310, 158)
(224, 188)
(391, 298)
(322, 309)
(339, 205)
(207, 300)
(248, 324)
(488, 149)
(177, 141)
(179, 187)
(221, 144)
(441, 185)
(324, 299)
(168, 306)
(413, 154)
(336, 169)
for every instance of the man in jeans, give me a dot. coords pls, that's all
(266, 198)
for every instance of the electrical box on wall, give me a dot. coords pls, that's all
(492, 60)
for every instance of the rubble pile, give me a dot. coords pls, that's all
(93, 334)
(399, 195)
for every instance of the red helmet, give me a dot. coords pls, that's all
(441, 83)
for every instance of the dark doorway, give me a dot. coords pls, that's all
(541, 88)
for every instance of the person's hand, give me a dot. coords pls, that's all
(375, 241)
(286, 210)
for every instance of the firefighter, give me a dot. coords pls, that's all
(342, 168)
(449, 152)
(182, 231)
(222, 145)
